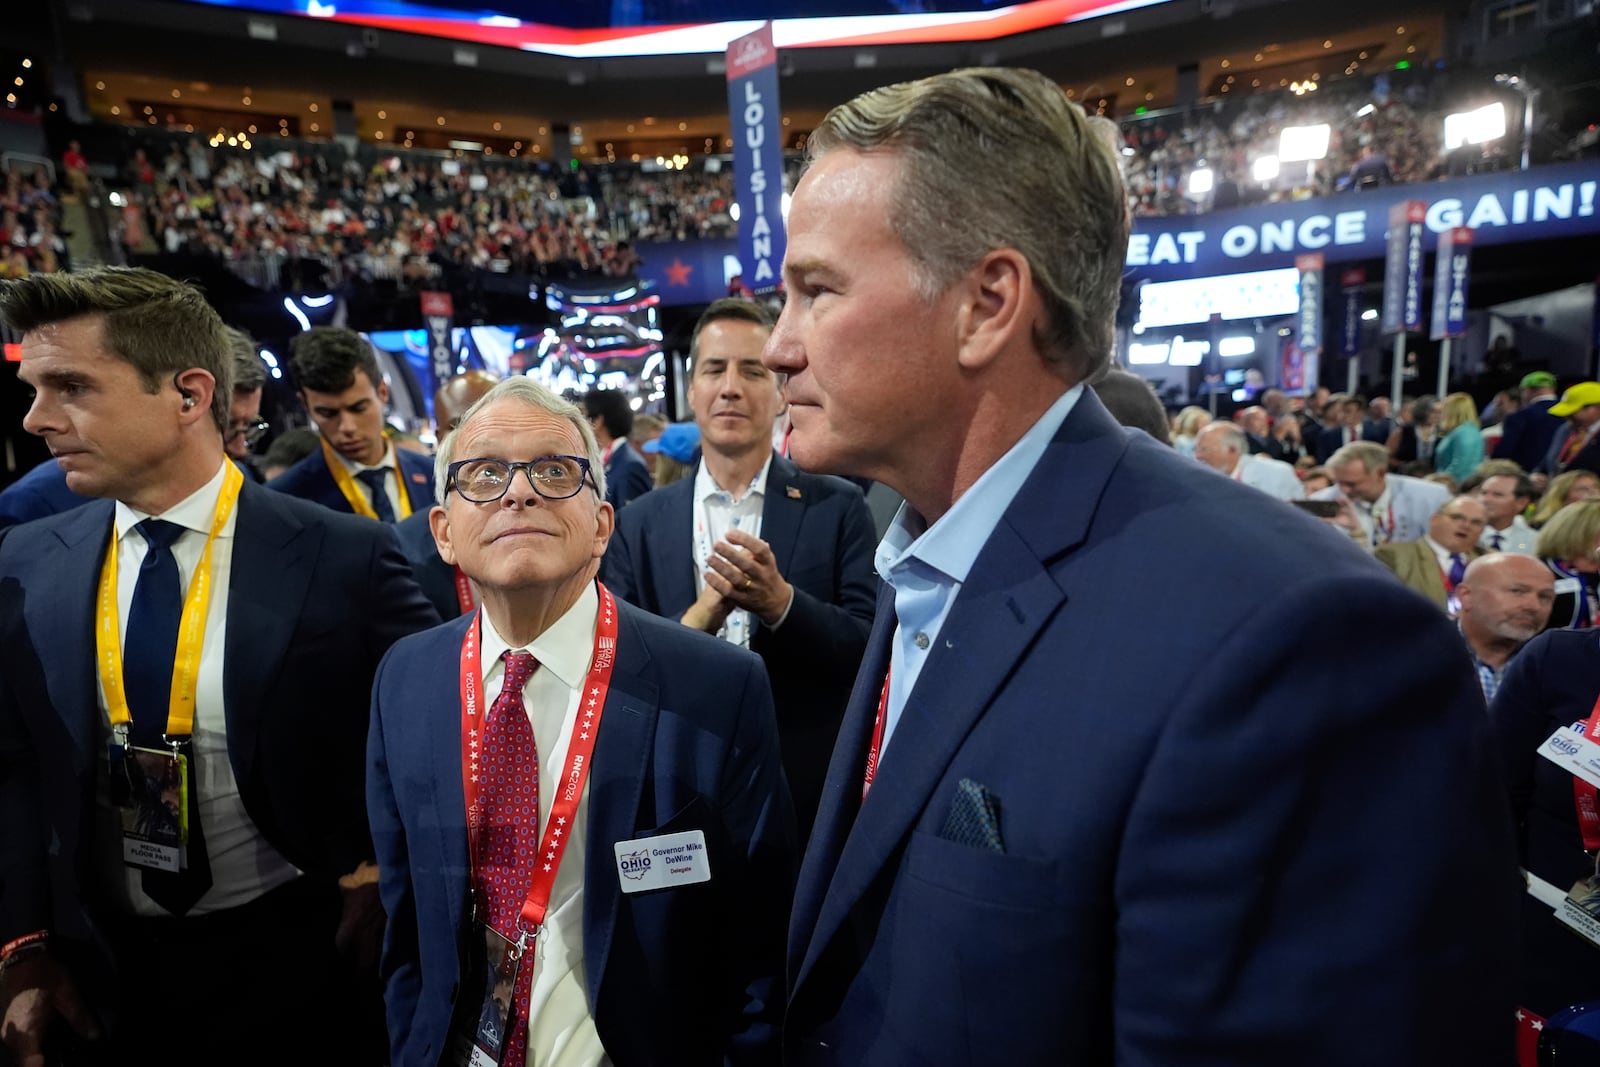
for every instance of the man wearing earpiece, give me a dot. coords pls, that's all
(190, 634)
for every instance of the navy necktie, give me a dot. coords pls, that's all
(1458, 569)
(148, 654)
(377, 481)
(1496, 539)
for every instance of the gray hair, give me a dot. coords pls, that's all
(1370, 454)
(1231, 436)
(530, 393)
(1057, 195)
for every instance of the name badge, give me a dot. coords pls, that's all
(1567, 585)
(1574, 753)
(647, 863)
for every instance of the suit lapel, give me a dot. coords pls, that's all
(1007, 599)
(64, 639)
(438, 716)
(782, 511)
(671, 549)
(616, 787)
(273, 557)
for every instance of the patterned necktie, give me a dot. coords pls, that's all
(1571, 448)
(510, 836)
(1458, 569)
(148, 653)
(377, 481)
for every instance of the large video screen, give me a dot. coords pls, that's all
(590, 29)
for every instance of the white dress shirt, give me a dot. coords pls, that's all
(561, 1031)
(716, 511)
(1518, 537)
(243, 864)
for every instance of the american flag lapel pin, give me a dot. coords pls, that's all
(419, 477)
(794, 494)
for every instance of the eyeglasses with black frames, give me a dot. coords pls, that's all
(485, 480)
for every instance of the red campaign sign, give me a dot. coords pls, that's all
(437, 304)
(750, 52)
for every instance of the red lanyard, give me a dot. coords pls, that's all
(464, 595)
(1584, 795)
(877, 737)
(564, 810)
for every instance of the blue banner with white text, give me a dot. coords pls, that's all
(754, 123)
(1545, 202)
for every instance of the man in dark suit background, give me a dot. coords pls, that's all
(1042, 840)
(752, 548)
(356, 470)
(132, 383)
(1529, 430)
(1349, 427)
(682, 969)
(627, 477)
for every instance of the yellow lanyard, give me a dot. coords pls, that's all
(353, 492)
(191, 629)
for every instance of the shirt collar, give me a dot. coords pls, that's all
(564, 649)
(951, 545)
(706, 486)
(194, 512)
(383, 464)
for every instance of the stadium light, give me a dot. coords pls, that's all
(1300, 144)
(1264, 169)
(1201, 181)
(1487, 123)
(1237, 345)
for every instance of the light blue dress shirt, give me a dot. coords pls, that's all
(926, 565)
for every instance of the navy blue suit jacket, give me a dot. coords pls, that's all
(1213, 848)
(1331, 439)
(1550, 684)
(314, 600)
(627, 478)
(822, 537)
(43, 491)
(436, 577)
(310, 479)
(690, 975)
(1528, 433)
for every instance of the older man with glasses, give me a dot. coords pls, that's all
(1436, 562)
(610, 836)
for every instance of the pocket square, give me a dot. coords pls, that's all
(974, 818)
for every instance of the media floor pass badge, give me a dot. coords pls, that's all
(662, 862)
(1571, 749)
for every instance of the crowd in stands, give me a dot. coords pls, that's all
(31, 240)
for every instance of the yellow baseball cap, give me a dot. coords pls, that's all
(1577, 396)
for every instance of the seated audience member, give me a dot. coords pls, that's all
(627, 477)
(1257, 427)
(616, 737)
(1568, 544)
(676, 452)
(1414, 441)
(1185, 425)
(1222, 447)
(1505, 498)
(450, 590)
(1435, 563)
(1350, 428)
(1390, 507)
(1460, 448)
(1132, 402)
(356, 469)
(1286, 433)
(1315, 480)
(1578, 447)
(1504, 602)
(287, 449)
(1572, 487)
(1551, 685)
(1527, 432)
